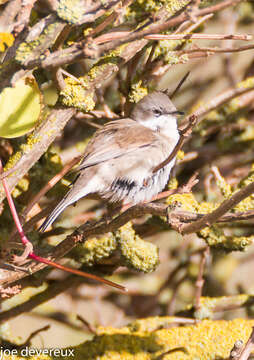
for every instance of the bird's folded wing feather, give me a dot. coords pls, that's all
(116, 139)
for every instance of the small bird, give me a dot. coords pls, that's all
(119, 160)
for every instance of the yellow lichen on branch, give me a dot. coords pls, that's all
(207, 340)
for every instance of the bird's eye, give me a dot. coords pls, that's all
(157, 112)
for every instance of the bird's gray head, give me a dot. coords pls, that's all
(156, 111)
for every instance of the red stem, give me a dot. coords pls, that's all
(40, 259)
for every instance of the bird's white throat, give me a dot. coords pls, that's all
(165, 124)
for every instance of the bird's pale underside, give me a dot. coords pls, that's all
(119, 160)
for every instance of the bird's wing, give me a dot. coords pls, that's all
(116, 138)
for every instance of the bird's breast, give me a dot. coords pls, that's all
(136, 191)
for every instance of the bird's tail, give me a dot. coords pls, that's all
(55, 213)
(82, 187)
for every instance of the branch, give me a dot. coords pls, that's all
(120, 34)
(84, 49)
(183, 135)
(212, 217)
(40, 139)
(173, 21)
(215, 49)
(29, 253)
(52, 291)
(102, 227)
(222, 98)
(198, 36)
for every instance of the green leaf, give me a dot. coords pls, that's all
(20, 108)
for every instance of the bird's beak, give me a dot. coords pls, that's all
(176, 113)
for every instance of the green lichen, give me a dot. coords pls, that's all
(209, 305)
(173, 183)
(215, 237)
(32, 140)
(148, 6)
(75, 94)
(207, 340)
(248, 179)
(151, 324)
(186, 202)
(95, 249)
(31, 50)
(136, 11)
(247, 203)
(231, 112)
(13, 160)
(137, 253)
(247, 134)
(224, 187)
(165, 49)
(70, 11)
(173, 6)
(137, 92)
(206, 207)
(79, 93)
(247, 83)
(180, 155)
(22, 186)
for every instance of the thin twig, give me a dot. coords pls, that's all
(179, 85)
(120, 34)
(33, 334)
(200, 280)
(183, 135)
(198, 36)
(52, 182)
(215, 49)
(90, 327)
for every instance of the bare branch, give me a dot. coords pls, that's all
(198, 36)
(212, 50)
